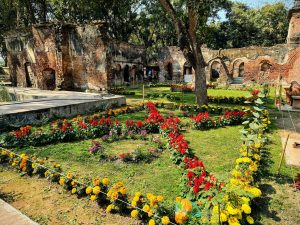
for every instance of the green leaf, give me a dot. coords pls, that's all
(256, 114)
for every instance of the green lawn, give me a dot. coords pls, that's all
(184, 97)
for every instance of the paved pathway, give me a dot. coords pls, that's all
(11, 216)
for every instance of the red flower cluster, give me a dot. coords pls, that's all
(201, 117)
(171, 124)
(131, 123)
(23, 132)
(234, 114)
(103, 121)
(154, 116)
(178, 143)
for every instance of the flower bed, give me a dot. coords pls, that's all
(203, 121)
(205, 199)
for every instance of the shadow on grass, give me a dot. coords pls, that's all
(262, 205)
(8, 197)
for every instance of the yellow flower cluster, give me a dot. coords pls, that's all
(182, 215)
(116, 190)
(235, 206)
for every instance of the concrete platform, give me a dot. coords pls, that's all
(34, 104)
(11, 216)
(292, 155)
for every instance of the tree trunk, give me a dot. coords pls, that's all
(200, 85)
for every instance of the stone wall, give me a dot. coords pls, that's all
(51, 56)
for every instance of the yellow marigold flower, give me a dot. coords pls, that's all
(149, 196)
(3, 152)
(253, 167)
(256, 156)
(146, 208)
(160, 198)
(61, 181)
(88, 190)
(93, 197)
(181, 217)
(134, 213)
(96, 190)
(250, 220)
(109, 208)
(231, 210)
(234, 181)
(46, 173)
(33, 165)
(246, 208)
(223, 217)
(96, 181)
(74, 190)
(74, 182)
(105, 181)
(187, 205)
(246, 200)
(178, 199)
(216, 209)
(257, 145)
(13, 164)
(165, 220)
(233, 221)
(123, 191)
(151, 222)
(136, 198)
(69, 176)
(133, 203)
(255, 191)
(137, 194)
(150, 213)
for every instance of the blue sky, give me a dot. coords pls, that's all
(258, 3)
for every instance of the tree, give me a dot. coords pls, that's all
(191, 27)
(245, 26)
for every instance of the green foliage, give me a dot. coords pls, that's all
(4, 94)
(265, 26)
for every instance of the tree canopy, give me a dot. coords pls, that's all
(146, 23)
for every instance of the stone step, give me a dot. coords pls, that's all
(237, 80)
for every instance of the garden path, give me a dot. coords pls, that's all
(12, 216)
(289, 124)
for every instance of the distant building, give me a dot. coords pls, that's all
(71, 57)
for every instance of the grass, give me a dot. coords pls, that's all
(184, 97)
(217, 148)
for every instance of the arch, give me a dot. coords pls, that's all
(126, 73)
(28, 74)
(169, 69)
(187, 69)
(264, 68)
(49, 79)
(241, 69)
(238, 68)
(215, 70)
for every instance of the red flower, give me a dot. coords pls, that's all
(255, 92)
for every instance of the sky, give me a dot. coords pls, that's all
(259, 3)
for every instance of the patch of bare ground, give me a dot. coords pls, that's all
(280, 204)
(48, 203)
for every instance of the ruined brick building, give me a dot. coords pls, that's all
(72, 57)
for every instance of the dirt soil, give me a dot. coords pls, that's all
(47, 203)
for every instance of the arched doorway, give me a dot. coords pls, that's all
(265, 68)
(241, 70)
(28, 74)
(187, 69)
(49, 81)
(169, 71)
(126, 73)
(215, 71)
